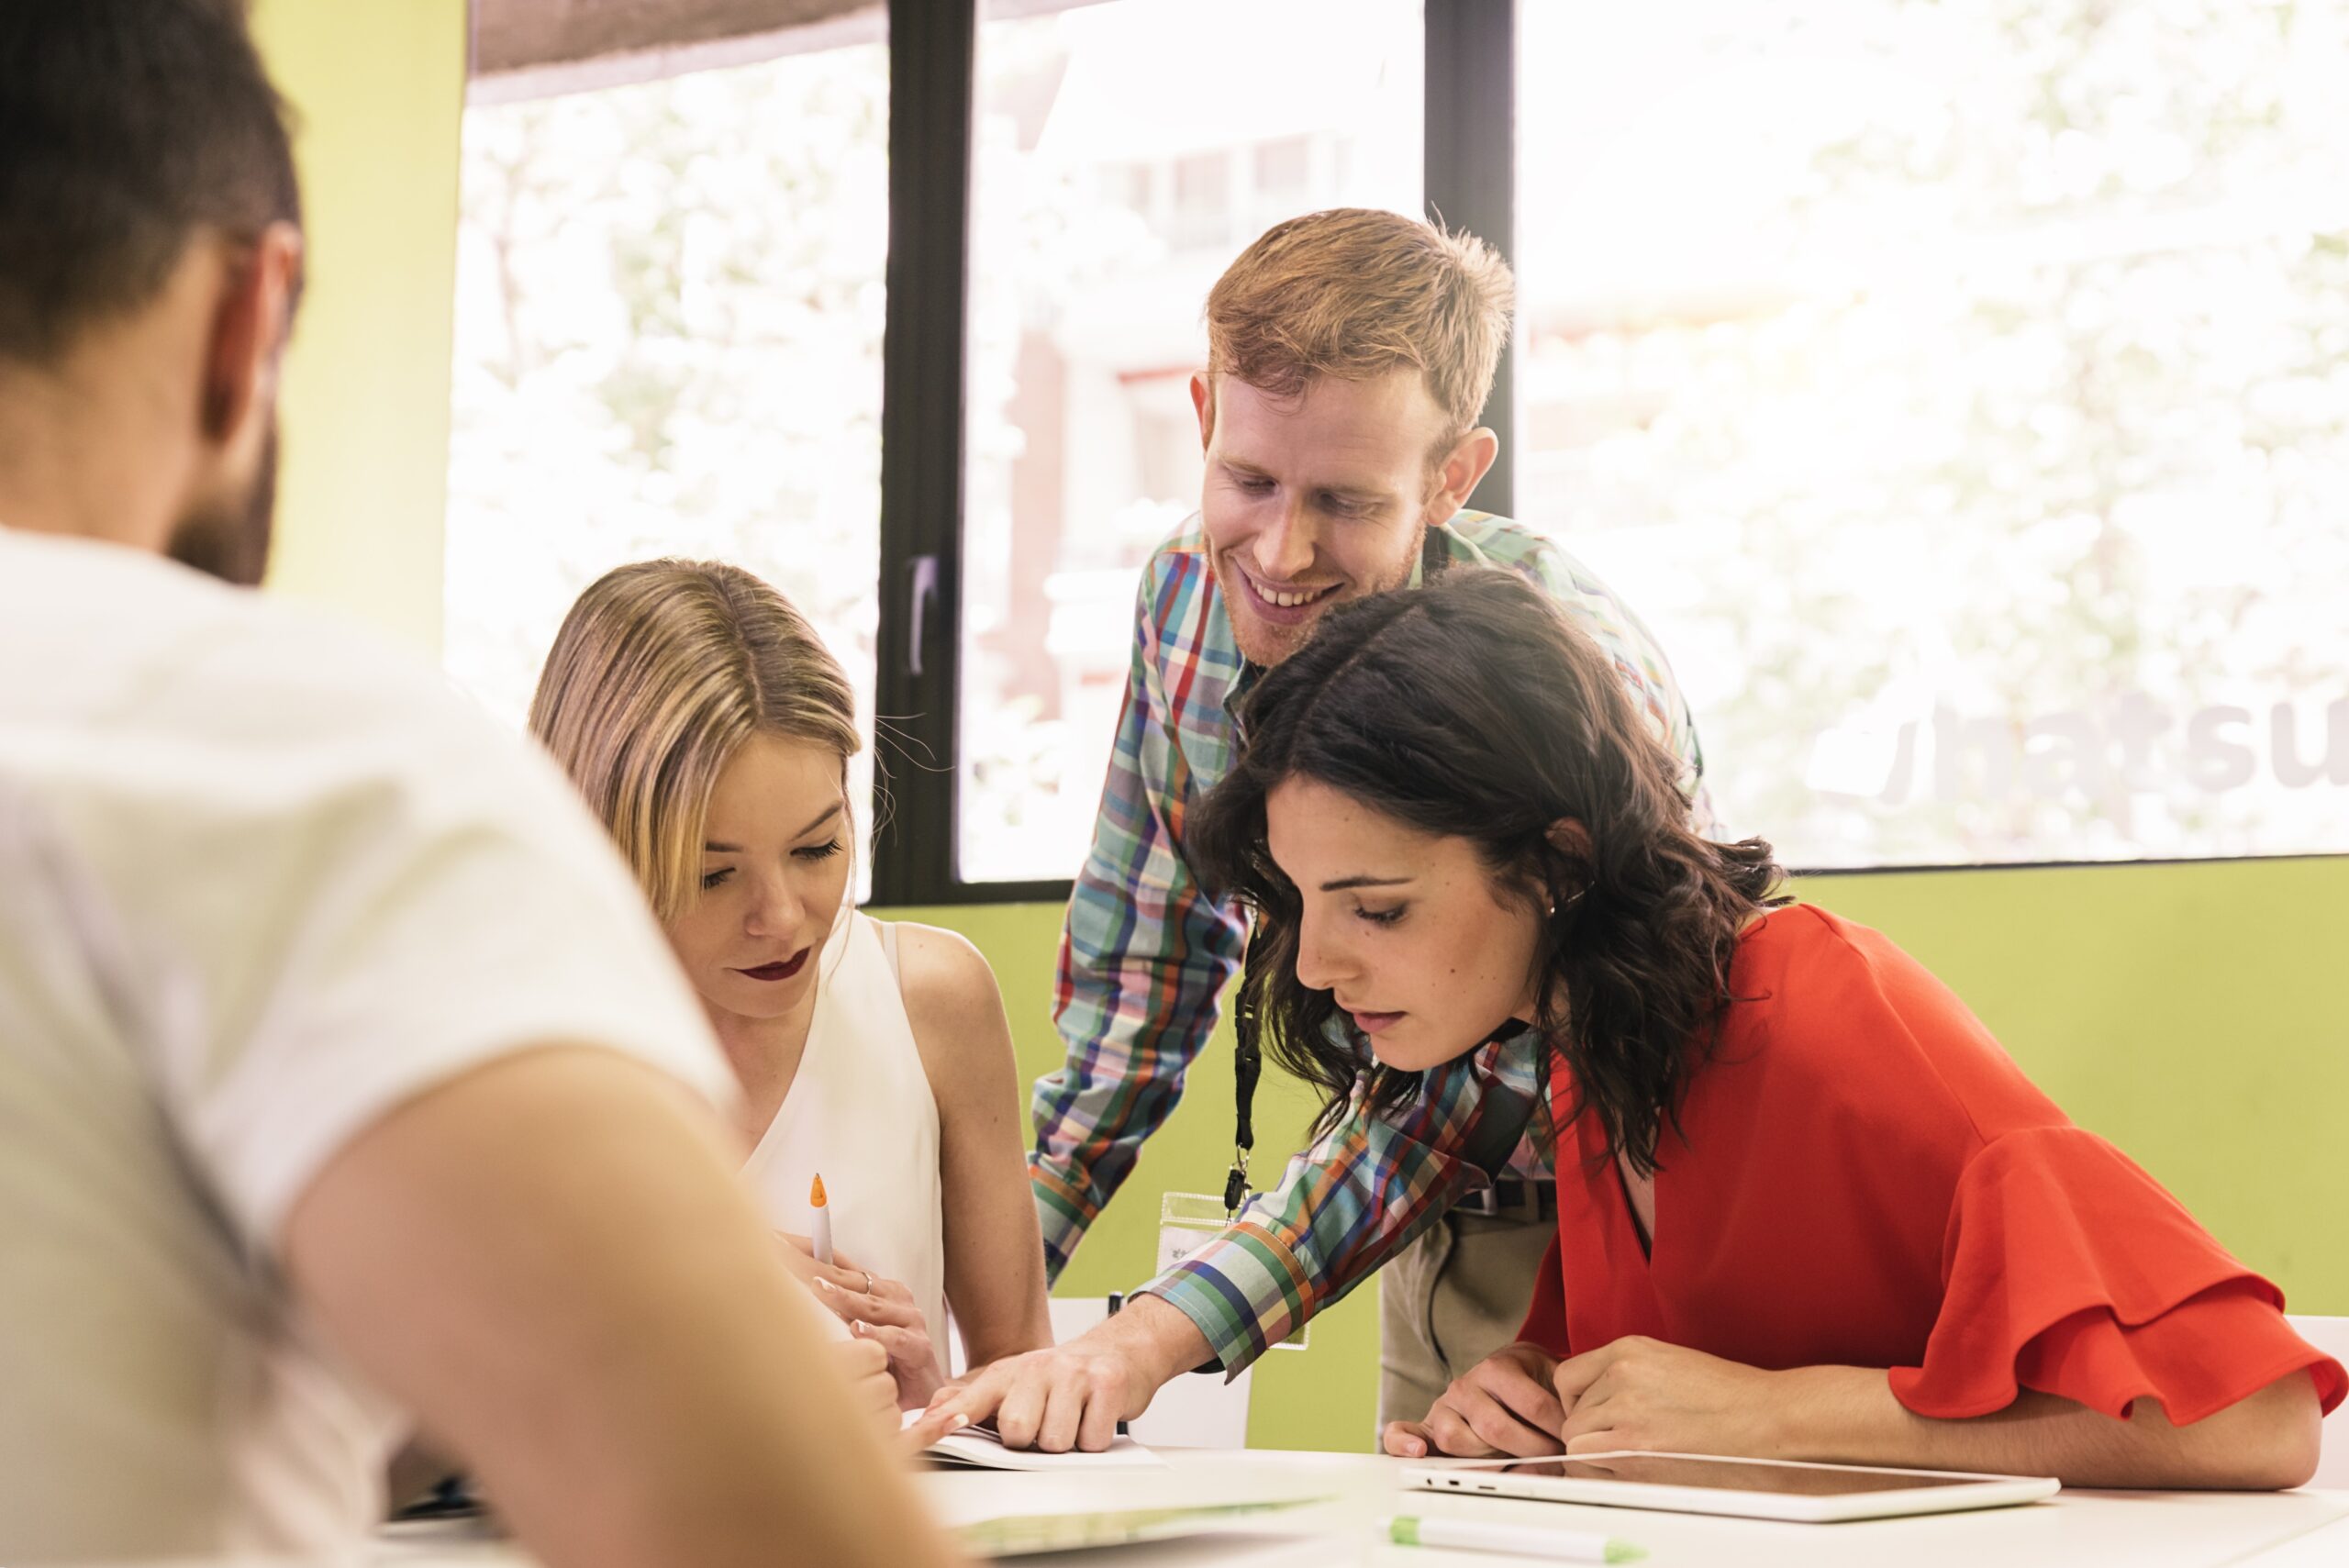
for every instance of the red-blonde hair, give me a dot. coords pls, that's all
(1354, 293)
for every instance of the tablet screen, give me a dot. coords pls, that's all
(1724, 1474)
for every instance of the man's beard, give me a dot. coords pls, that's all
(1264, 644)
(229, 538)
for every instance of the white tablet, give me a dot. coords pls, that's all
(1751, 1488)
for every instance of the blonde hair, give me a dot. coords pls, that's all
(660, 673)
(1354, 293)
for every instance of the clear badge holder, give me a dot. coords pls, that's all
(1187, 1219)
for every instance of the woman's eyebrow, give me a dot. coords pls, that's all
(821, 817)
(1344, 883)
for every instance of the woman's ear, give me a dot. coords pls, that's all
(1569, 837)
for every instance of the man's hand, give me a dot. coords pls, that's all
(1503, 1404)
(1642, 1393)
(1066, 1398)
(1072, 1395)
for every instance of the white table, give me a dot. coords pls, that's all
(2140, 1530)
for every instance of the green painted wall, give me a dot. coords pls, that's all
(2193, 1014)
(377, 88)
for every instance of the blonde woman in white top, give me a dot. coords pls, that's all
(711, 730)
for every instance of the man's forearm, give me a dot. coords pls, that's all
(1062, 1214)
(1848, 1415)
(1365, 1190)
(1157, 1340)
(1121, 1079)
(613, 1344)
(1233, 1291)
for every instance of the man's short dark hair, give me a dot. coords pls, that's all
(126, 127)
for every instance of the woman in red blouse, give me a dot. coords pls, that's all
(1806, 1207)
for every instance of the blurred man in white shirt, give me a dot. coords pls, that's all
(344, 1079)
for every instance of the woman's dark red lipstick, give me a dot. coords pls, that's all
(782, 970)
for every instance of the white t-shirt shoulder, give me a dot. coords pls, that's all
(261, 881)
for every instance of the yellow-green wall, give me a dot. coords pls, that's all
(2193, 1014)
(377, 88)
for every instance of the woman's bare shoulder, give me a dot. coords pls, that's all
(952, 1003)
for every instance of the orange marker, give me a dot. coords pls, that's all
(822, 1238)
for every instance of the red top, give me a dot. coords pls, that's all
(1864, 1178)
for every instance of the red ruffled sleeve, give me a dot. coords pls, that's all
(2067, 1268)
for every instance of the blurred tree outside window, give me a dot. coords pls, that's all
(669, 313)
(1125, 153)
(1962, 393)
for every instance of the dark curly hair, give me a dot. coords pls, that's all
(1474, 708)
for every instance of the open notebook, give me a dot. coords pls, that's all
(1009, 1535)
(979, 1448)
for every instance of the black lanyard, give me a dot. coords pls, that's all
(1248, 1058)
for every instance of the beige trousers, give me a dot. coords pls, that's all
(1451, 1299)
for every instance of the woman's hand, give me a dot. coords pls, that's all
(875, 1309)
(1642, 1393)
(866, 1366)
(1503, 1404)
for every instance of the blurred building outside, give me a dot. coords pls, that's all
(1961, 394)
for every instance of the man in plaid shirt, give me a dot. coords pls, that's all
(1350, 354)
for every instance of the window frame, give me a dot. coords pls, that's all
(1469, 182)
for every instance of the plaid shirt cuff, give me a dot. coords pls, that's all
(1244, 1291)
(1064, 1214)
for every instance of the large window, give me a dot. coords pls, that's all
(1958, 391)
(1124, 153)
(1962, 393)
(670, 309)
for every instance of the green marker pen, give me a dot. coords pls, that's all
(1524, 1541)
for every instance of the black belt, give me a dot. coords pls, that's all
(1512, 1193)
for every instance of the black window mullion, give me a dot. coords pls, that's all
(932, 56)
(1471, 173)
(1470, 180)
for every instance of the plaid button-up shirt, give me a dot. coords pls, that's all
(1145, 954)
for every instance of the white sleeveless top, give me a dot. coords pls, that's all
(860, 1112)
